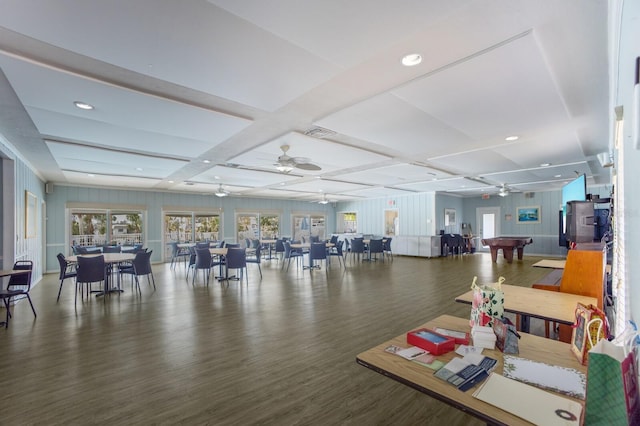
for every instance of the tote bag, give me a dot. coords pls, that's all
(487, 303)
(612, 386)
(589, 327)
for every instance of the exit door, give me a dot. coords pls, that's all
(488, 223)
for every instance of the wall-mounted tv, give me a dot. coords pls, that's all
(576, 190)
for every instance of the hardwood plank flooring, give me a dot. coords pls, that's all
(276, 351)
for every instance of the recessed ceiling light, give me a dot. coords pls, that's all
(411, 60)
(139, 169)
(91, 175)
(557, 176)
(545, 164)
(83, 105)
(216, 177)
(511, 138)
(171, 181)
(206, 161)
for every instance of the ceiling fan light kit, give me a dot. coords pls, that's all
(221, 192)
(285, 163)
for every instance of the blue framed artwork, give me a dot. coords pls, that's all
(529, 214)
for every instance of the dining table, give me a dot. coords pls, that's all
(269, 243)
(110, 260)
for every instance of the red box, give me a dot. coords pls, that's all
(435, 343)
(461, 337)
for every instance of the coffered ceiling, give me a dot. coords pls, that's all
(191, 95)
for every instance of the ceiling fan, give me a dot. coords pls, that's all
(221, 192)
(505, 190)
(324, 200)
(285, 163)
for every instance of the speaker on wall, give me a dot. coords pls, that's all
(48, 187)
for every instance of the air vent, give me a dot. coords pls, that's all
(319, 132)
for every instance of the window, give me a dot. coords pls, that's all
(257, 226)
(185, 227)
(100, 227)
(305, 226)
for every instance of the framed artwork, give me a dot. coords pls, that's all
(449, 217)
(30, 207)
(529, 214)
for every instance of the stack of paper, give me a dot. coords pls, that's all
(528, 402)
(483, 337)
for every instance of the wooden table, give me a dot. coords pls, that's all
(110, 259)
(531, 302)
(422, 379)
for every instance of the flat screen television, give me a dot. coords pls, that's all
(576, 190)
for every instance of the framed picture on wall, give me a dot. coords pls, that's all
(449, 217)
(529, 214)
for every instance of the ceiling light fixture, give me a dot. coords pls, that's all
(511, 138)
(206, 161)
(411, 60)
(284, 168)
(545, 164)
(83, 105)
(221, 192)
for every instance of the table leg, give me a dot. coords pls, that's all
(508, 254)
(494, 254)
(520, 252)
(524, 323)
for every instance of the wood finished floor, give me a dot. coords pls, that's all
(278, 351)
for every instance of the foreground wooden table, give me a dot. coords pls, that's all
(532, 302)
(422, 379)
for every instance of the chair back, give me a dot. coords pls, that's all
(255, 258)
(23, 280)
(202, 245)
(90, 269)
(203, 258)
(357, 245)
(221, 244)
(318, 251)
(386, 244)
(334, 239)
(192, 255)
(64, 265)
(314, 239)
(279, 246)
(111, 249)
(236, 258)
(338, 247)
(233, 245)
(375, 246)
(142, 262)
(81, 250)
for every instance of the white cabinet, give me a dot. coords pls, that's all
(416, 245)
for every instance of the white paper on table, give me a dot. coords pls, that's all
(528, 402)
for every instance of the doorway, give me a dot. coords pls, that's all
(488, 224)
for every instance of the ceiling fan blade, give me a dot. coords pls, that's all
(308, 166)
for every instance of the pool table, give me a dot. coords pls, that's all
(507, 244)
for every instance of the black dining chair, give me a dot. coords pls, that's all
(255, 257)
(375, 248)
(203, 262)
(89, 270)
(67, 270)
(280, 248)
(357, 247)
(18, 285)
(236, 258)
(386, 247)
(178, 253)
(317, 252)
(290, 253)
(112, 249)
(337, 252)
(140, 266)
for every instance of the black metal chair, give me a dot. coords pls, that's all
(357, 247)
(386, 247)
(337, 251)
(290, 253)
(140, 266)
(178, 253)
(67, 270)
(203, 262)
(255, 257)
(89, 270)
(317, 251)
(279, 248)
(236, 258)
(192, 261)
(375, 248)
(18, 285)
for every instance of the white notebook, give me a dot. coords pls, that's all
(528, 402)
